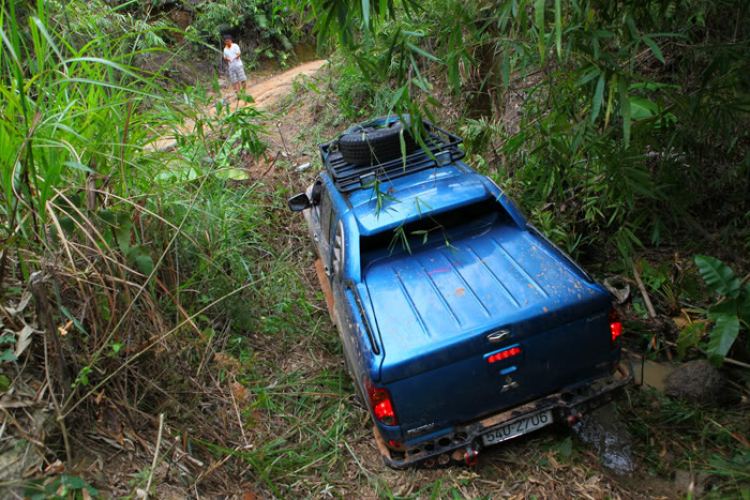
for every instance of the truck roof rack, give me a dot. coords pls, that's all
(347, 177)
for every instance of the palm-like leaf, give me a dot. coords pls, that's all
(723, 335)
(718, 276)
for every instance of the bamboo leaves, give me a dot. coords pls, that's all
(598, 96)
(558, 28)
(654, 48)
(539, 22)
(622, 86)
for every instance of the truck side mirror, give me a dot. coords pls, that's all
(299, 203)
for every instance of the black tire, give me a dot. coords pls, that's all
(367, 145)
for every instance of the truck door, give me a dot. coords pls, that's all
(322, 215)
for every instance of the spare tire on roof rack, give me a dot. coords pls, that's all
(377, 141)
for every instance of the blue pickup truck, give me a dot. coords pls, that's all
(462, 326)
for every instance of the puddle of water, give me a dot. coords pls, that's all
(602, 430)
(650, 373)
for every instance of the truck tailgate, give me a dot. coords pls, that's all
(436, 307)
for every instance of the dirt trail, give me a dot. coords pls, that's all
(265, 93)
(268, 91)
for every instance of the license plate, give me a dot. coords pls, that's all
(517, 428)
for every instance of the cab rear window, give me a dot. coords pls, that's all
(433, 228)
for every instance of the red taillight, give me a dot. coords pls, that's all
(380, 402)
(615, 325)
(396, 445)
(499, 356)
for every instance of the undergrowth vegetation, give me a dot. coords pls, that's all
(137, 259)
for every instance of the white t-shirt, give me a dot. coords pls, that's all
(233, 54)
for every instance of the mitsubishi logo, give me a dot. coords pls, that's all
(509, 384)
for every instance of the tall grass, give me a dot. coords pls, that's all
(74, 126)
(114, 226)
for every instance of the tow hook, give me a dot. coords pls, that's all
(471, 456)
(573, 418)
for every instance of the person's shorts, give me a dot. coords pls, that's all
(237, 73)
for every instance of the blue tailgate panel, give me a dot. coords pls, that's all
(471, 388)
(435, 306)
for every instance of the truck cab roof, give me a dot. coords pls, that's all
(410, 197)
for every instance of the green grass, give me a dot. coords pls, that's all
(674, 435)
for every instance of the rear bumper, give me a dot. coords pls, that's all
(465, 439)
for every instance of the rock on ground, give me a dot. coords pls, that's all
(696, 381)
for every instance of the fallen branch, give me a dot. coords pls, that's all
(644, 293)
(156, 453)
(39, 292)
(271, 165)
(731, 361)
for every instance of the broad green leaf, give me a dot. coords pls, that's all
(366, 14)
(139, 258)
(145, 264)
(566, 447)
(723, 335)
(727, 307)
(558, 28)
(7, 355)
(598, 95)
(236, 174)
(4, 383)
(588, 77)
(654, 48)
(622, 85)
(689, 337)
(743, 308)
(539, 18)
(641, 108)
(422, 52)
(73, 482)
(506, 70)
(122, 233)
(718, 276)
(631, 26)
(433, 102)
(78, 166)
(72, 318)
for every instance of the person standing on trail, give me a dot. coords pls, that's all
(236, 69)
